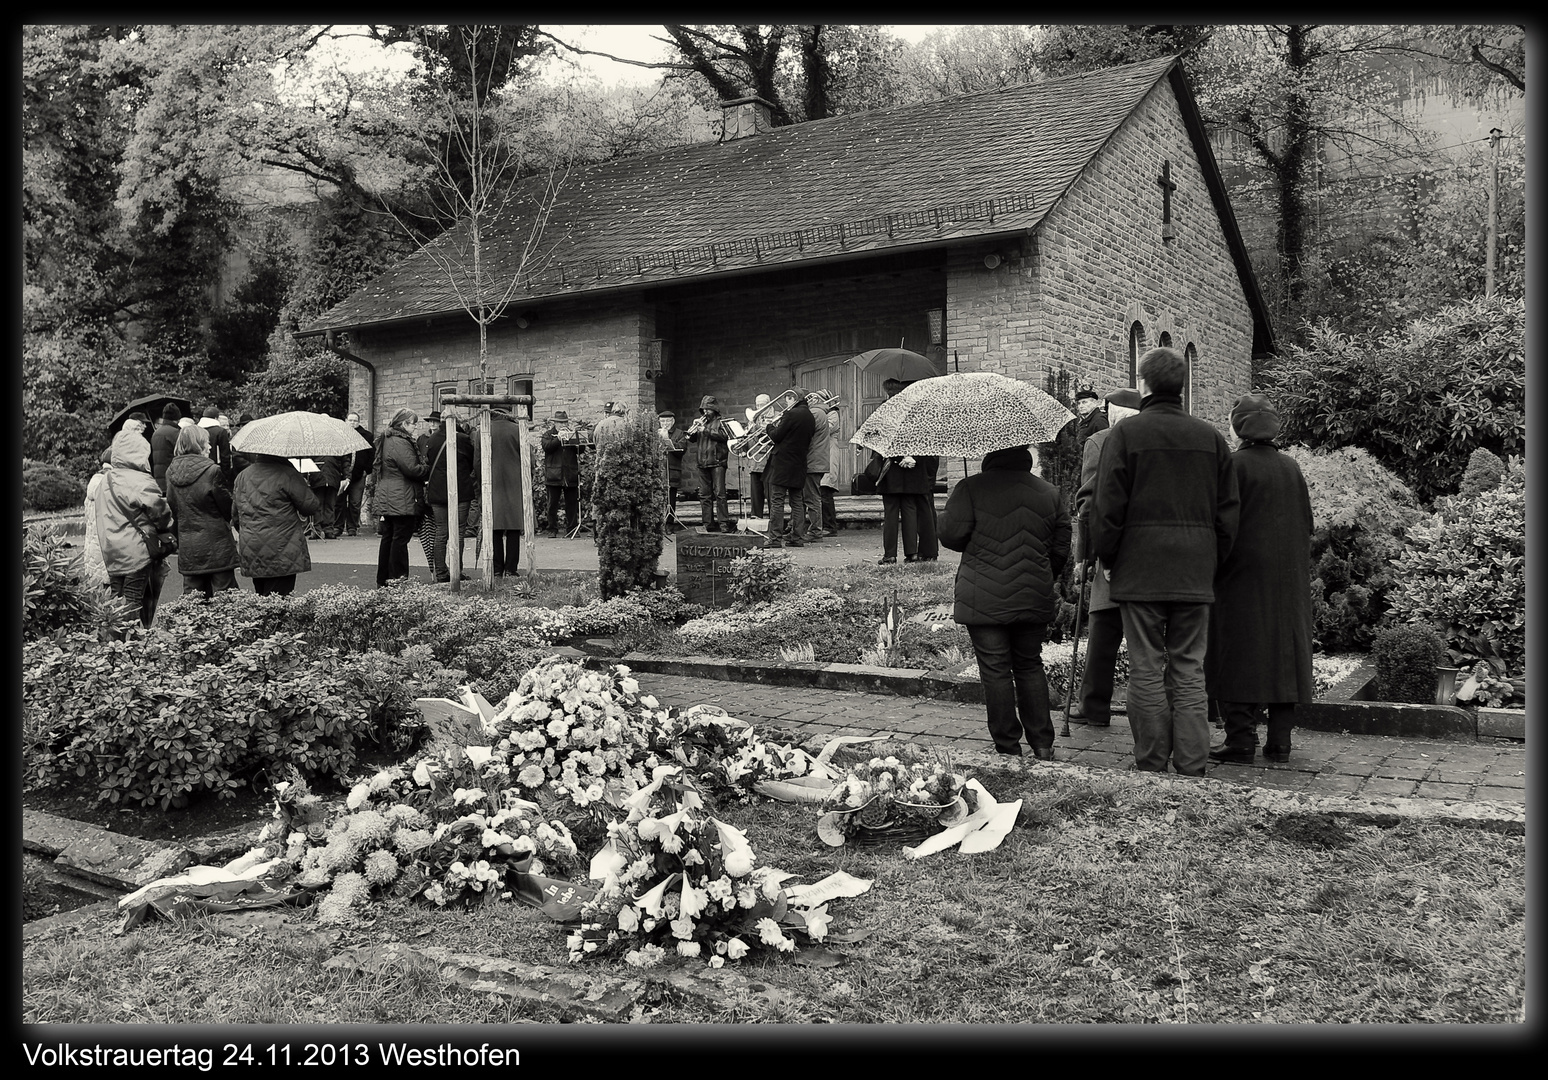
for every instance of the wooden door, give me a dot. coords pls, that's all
(840, 379)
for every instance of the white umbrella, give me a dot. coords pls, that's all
(965, 414)
(298, 434)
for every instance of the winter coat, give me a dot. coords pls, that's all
(561, 461)
(360, 463)
(817, 453)
(674, 457)
(919, 480)
(220, 453)
(163, 445)
(1014, 534)
(830, 477)
(1166, 505)
(1088, 426)
(505, 456)
(91, 549)
(792, 438)
(710, 442)
(1090, 458)
(330, 471)
(436, 492)
(129, 506)
(201, 500)
(270, 506)
(399, 471)
(1260, 628)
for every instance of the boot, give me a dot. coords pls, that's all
(1277, 754)
(1232, 755)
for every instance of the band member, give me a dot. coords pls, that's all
(792, 438)
(672, 433)
(561, 474)
(709, 434)
(760, 486)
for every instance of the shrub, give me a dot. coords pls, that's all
(1406, 658)
(1483, 473)
(1420, 400)
(1463, 571)
(48, 487)
(1360, 512)
(759, 576)
(628, 498)
(54, 596)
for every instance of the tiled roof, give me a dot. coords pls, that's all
(974, 165)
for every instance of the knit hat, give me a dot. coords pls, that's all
(1087, 392)
(170, 411)
(212, 412)
(1255, 419)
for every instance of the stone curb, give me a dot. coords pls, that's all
(1355, 717)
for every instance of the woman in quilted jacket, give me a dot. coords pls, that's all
(1014, 534)
(398, 470)
(130, 511)
(200, 497)
(270, 508)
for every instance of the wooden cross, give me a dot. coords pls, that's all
(1167, 187)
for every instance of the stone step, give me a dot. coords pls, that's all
(98, 855)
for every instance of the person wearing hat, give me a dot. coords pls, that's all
(756, 477)
(827, 484)
(163, 443)
(1092, 419)
(1105, 626)
(710, 438)
(561, 474)
(675, 445)
(1260, 627)
(1163, 519)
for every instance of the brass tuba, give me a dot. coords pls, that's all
(756, 446)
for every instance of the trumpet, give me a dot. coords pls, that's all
(697, 425)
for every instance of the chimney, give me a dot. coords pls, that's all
(744, 117)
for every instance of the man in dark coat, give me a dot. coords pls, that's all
(1164, 518)
(330, 474)
(711, 439)
(791, 435)
(1094, 706)
(561, 473)
(163, 443)
(220, 441)
(673, 433)
(907, 488)
(506, 463)
(438, 493)
(1014, 534)
(1092, 417)
(352, 490)
(1260, 628)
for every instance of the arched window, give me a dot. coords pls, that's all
(1190, 354)
(1165, 341)
(1136, 348)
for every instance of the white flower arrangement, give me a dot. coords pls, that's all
(888, 790)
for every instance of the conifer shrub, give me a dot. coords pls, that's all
(628, 502)
(1483, 473)
(48, 487)
(1406, 658)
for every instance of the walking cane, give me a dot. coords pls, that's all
(1074, 679)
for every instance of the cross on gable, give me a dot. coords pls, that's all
(1167, 187)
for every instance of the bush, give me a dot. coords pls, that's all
(54, 596)
(1463, 571)
(1406, 658)
(759, 576)
(1483, 473)
(1421, 400)
(628, 497)
(48, 487)
(1360, 512)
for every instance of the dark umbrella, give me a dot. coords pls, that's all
(903, 365)
(151, 407)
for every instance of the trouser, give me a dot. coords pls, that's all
(442, 514)
(712, 496)
(392, 557)
(570, 497)
(895, 507)
(759, 493)
(811, 499)
(778, 493)
(1096, 682)
(140, 589)
(1010, 666)
(1241, 723)
(353, 498)
(327, 510)
(1168, 705)
(829, 511)
(275, 586)
(506, 552)
(209, 584)
(924, 514)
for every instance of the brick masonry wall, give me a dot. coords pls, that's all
(1098, 263)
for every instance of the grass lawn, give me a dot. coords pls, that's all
(1117, 898)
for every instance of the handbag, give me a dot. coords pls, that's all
(160, 544)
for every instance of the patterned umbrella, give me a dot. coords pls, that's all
(964, 414)
(298, 434)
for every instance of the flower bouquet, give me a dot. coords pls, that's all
(678, 881)
(726, 752)
(886, 799)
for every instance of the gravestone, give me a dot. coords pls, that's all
(934, 617)
(704, 564)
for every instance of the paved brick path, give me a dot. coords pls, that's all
(1320, 763)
